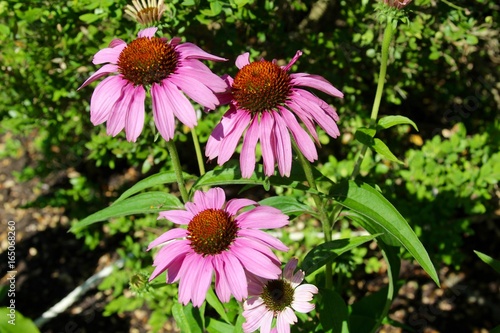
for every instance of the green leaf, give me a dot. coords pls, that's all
(14, 322)
(495, 330)
(365, 136)
(377, 210)
(333, 312)
(154, 180)
(215, 303)
(188, 318)
(288, 205)
(389, 121)
(230, 174)
(143, 203)
(380, 147)
(215, 326)
(365, 312)
(90, 18)
(495, 264)
(321, 254)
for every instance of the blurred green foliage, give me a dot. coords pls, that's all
(443, 72)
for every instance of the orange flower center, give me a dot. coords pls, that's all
(211, 232)
(147, 60)
(261, 86)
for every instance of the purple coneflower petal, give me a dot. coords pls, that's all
(266, 127)
(103, 71)
(177, 216)
(235, 275)
(195, 90)
(167, 236)
(104, 97)
(234, 205)
(134, 121)
(116, 120)
(283, 146)
(109, 54)
(243, 60)
(316, 82)
(302, 139)
(163, 111)
(262, 217)
(264, 237)
(247, 156)
(189, 50)
(148, 32)
(228, 146)
(181, 106)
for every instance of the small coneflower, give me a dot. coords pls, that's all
(276, 300)
(265, 101)
(218, 239)
(399, 4)
(169, 69)
(146, 13)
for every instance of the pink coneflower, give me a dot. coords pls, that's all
(169, 68)
(265, 100)
(278, 299)
(220, 240)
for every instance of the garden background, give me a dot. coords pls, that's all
(56, 168)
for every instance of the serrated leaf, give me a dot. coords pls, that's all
(288, 205)
(389, 121)
(143, 203)
(153, 180)
(375, 208)
(493, 263)
(380, 147)
(323, 253)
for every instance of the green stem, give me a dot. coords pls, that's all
(172, 150)
(325, 221)
(388, 33)
(197, 148)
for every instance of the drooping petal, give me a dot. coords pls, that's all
(195, 90)
(134, 121)
(104, 97)
(116, 120)
(286, 318)
(167, 236)
(229, 143)
(222, 288)
(203, 74)
(266, 127)
(283, 146)
(324, 121)
(262, 217)
(103, 71)
(181, 106)
(316, 82)
(203, 281)
(256, 262)
(234, 205)
(304, 142)
(247, 156)
(264, 237)
(235, 275)
(163, 111)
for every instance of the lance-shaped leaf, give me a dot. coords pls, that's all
(377, 210)
(323, 253)
(143, 203)
(288, 205)
(153, 180)
(495, 264)
(389, 121)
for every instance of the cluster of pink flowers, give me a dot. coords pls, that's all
(266, 101)
(267, 104)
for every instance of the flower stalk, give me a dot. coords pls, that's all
(176, 163)
(197, 148)
(388, 33)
